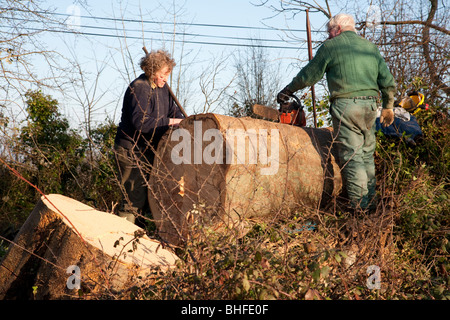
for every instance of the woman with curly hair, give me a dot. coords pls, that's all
(147, 113)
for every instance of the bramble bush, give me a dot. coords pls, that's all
(407, 238)
(306, 254)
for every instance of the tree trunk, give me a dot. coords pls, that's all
(65, 245)
(435, 77)
(202, 179)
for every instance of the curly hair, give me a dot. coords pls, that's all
(156, 60)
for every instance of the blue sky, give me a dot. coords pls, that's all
(114, 56)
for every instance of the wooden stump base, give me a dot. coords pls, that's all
(66, 248)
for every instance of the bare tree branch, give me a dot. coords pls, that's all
(414, 22)
(427, 53)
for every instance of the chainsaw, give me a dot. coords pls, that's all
(290, 112)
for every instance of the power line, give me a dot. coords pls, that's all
(183, 34)
(178, 23)
(85, 33)
(153, 39)
(160, 32)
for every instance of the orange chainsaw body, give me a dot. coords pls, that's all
(295, 117)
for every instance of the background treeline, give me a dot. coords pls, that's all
(50, 157)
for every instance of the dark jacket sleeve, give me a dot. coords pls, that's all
(174, 110)
(145, 115)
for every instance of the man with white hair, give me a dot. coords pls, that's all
(356, 73)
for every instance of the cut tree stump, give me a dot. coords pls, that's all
(221, 173)
(65, 245)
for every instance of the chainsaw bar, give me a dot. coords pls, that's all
(266, 112)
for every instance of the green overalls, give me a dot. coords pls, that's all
(355, 72)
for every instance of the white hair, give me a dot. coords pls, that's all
(345, 21)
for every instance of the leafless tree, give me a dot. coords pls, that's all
(22, 52)
(412, 35)
(294, 7)
(213, 89)
(26, 62)
(258, 79)
(414, 38)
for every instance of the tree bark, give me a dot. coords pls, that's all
(107, 253)
(225, 195)
(424, 23)
(434, 76)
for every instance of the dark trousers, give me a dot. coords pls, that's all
(134, 170)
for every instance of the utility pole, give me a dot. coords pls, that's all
(313, 95)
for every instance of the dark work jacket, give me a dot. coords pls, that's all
(145, 116)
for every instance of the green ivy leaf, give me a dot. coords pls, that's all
(316, 274)
(337, 257)
(245, 283)
(325, 271)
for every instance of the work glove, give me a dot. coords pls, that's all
(387, 117)
(283, 95)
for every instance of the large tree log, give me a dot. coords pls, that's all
(196, 183)
(106, 253)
